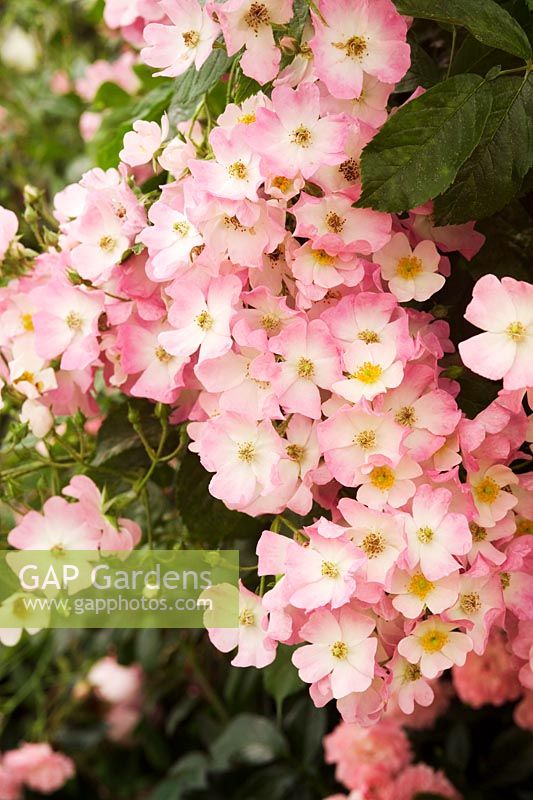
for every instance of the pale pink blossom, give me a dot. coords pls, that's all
(39, 767)
(142, 143)
(341, 648)
(352, 436)
(412, 274)
(490, 677)
(354, 38)
(310, 360)
(201, 321)
(434, 535)
(367, 758)
(67, 324)
(254, 646)
(243, 454)
(335, 226)
(249, 23)
(504, 309)
(419, 779)
(435, 645)
(188, 40)
(290, 136)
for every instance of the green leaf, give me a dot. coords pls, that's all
(474, 56)
(422, 72)
(248, 739)
(110, 95)
(494, 173)
(190, 86)
(419, 150)
(485, 20)
(207, 519)
(280, 678)
(107, 143)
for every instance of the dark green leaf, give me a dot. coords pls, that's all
(280, 678)
(190, 86)
(474, 56)
(485, 20)
(117, 436)
(420, 149)
(248, 739)
(494, 173)
(207, 518)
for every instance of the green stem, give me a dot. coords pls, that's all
(452, 52)
(204, 684)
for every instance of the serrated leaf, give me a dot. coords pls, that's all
(190, 86)
(494, 173)
(420, 149)
(485, 20)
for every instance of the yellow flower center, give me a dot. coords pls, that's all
(323, 259)
(470, 603)
(374, 544)
(246, 452)
(74, 321)
(329, 569)
(425, 534)
(505, 579)
(205, 321)
(282, 183)
(382, 478)
(270, 322)
(107, 244)
(305, 368)
(335, 222)
(487, 491)
(238, 170)
(433, 640)
(406, 416)
(408, 267)
(339, 650)
(365, 439)
(355, 47)
(162, 355)
(411, 673)
(368, 373)
(247, 119)
(301, 136)
(27, 321)
(247, 617)
(479, 534)
(257, 16)
(233, 222)
(181, 228)
(516, 331)
(295, 452)
(420, 586)
(191, 38)
(368, 337)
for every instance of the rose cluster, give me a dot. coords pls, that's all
(253, 297)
